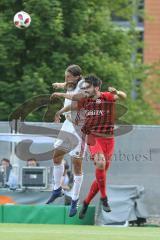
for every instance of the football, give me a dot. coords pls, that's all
(22, 20)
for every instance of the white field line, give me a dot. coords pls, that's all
(131, 234)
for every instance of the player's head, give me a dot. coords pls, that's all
(91, 85)
(73, 74)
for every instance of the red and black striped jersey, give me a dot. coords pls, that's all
(99, 114)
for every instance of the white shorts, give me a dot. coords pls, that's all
(69, 139)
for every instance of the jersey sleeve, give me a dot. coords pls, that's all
(109, 96)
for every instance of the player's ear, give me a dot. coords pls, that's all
(97, 88)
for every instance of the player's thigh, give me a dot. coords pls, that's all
(97, 152)
(110, 144)
(66, 139)
(77, 150)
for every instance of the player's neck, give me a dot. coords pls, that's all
(97, 95)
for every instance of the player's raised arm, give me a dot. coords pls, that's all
(74, 97)
(59, 85)
(118, 94)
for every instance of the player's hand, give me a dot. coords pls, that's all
(112, 90)
(55, 94)
(56, 85)
(57, 117)
(59, 85)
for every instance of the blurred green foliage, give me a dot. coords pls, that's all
(62, 33)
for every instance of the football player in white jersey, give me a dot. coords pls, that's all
(68, 141)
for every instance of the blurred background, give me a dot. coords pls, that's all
(116, 40)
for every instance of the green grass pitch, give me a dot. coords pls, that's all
(75, 232)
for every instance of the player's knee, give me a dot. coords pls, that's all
(100, 165)
(77, 166)
(56, 161)
(57, 157)
(99, 160)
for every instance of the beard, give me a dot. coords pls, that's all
(91, 94)
(71, 85)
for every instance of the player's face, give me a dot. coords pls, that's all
(69, 78)
(90, 90)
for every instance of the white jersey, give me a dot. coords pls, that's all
(69, 138)
(69, 102)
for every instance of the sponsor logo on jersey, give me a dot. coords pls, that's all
(95, 113)
(98, 101)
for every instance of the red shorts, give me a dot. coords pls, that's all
(101, 145)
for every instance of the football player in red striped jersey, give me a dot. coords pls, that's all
(98, 128)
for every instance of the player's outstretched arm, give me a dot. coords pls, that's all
(71, 107)
(59, 85)
(74, 97)
(118, 94)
